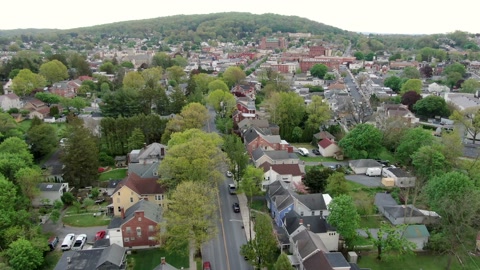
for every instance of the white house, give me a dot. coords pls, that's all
(360, 166)
(288, 173)
(49, 193)
(10, 101)
(328, 147)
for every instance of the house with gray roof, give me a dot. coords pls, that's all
(112, 258)
(137, 226)
(49, 193)
(164, 265)
(260, 156)
(148, 154)
(360, 166)
(400, 214)
(144, 170)
(401, 177)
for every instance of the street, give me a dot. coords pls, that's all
(223, 251)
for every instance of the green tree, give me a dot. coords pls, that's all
(162, 59)
(411, 141)
(26, 81)
(394, 82)
(180, 61)
(390, 243)
(8, 126)
(27, 179)
(318, 113)
(175, 73)
(233, 76)
(344, 217)
(217, 85)
(287, 111)
(250, 186)
(22, 254)
(53, 71)
(283, 263)
(471, 124)
(432, 106)
(363, 141)
(429, 161)
(454, 197)
(261, 251)
(319, 70)
(136, 140)
(108, 67)
(316, 178)
(411, 73)
(42, 139)
(80, 156)
(87, 203)
(222, 101)
(193, 155)
(193, 115)
(455, 68)
(337, 184)
(412, 85)
(134, 80)
(55, 216)
(178, 100)
(191, 216)
(123, 102)
(359, 55)
(67, 198)
(235, 150)
(470, 85)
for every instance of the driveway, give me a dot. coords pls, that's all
(365, 180)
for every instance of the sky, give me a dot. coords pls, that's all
(368, 16)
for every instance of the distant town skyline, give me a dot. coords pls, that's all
(368, 16)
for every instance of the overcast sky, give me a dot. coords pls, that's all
(375, 16)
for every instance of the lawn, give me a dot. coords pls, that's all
(418, 262)
(113, 174)
(371, 221)
(260, 205)
(86, 220)
(150, 258)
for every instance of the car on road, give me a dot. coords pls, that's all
(232, 189)
(79, 242)
(68, 241)
(236, 207)
(316, 152)
(229, 174)
(100, 235)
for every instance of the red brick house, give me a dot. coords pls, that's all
(245, 110)
(137, 226)
(245, 90)
(254, 139)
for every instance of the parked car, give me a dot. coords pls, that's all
(100, 235)
(303, 151)
(373, 172)
(206, 266)
(52, 242)
(79, 242)
(316, 152)
(68, 241)
(229, 174)
(236, 208)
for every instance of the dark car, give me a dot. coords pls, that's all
(236, 208)
(316, 152)
(52, 242)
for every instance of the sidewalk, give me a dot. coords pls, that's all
(242, 201)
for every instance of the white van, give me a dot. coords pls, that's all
(68, 241)
(374, 172)
(303, 151)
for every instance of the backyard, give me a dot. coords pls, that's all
(150, 258)
(85, 217)
(113, 174)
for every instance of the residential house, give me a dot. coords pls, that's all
(437, 88)
(463, 101)
(144, 170)
(245, 109)
(395, 213)
(328, 147)
(260, 156)
(400, 177)
(294, 224)
(360, 166)
(54, 173)
(399, 64)
(267, 143)
(112, 186)
(10, 101)
(322, 135)
(49, 193)
(67, 89)
(120, 161)
(290, 174)
(389, 112)
(148, 154)
(262, 125)
(135, 188)
(245, 90)
(111, 258)
(37, 108)
(417, 234)
(164, 265)
(136, 227)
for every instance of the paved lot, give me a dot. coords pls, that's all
(365, 180)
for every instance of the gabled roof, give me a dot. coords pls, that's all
(272, 138)
(144, 170)
(364, 163)
(113, 255)
(312, 201)
(259, 123)
(153, 150)
(307, 243)
(50, 186)
(325, 143)
(384, 199)
(141, 186)
(150, 210)
(282, 169)
(400, 211)
(279, 154)
(398, 172)
(336, 259)
(317, 261)
(112, 183)
(250, 134)
(317, 224)
(323, 134)
(416, 231)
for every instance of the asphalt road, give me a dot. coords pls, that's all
(223, 251)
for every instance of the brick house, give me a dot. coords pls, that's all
(137, 226)
(245, 90)
(272, 43)
(267, 143)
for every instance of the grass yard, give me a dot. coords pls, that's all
(86, 220)
(51, 259)
(150, 258)
(371, 221)
(113, 174)
(260, 205)
(418, 262)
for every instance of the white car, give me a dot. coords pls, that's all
(68, 241)
(229, 174)
(79, 242)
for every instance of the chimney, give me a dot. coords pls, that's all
(144, 145)
(163, 260)
(301, 221)
(122, 211)
(308, 227)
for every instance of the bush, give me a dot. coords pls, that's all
(105, 160)
(67, 198)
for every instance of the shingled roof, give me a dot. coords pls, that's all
(141, 186)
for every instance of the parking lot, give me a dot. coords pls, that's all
(60, 231)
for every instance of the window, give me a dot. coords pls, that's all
(313, 213)
(126, 239)
(118, 193)
(128, 230)
(150, 228)
(139, 231)
(119, 209)
(301, 213)
(131, 199)
(132, 238)
(139, 219)
(159, 197)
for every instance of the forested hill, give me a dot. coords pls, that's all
(222, 26)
